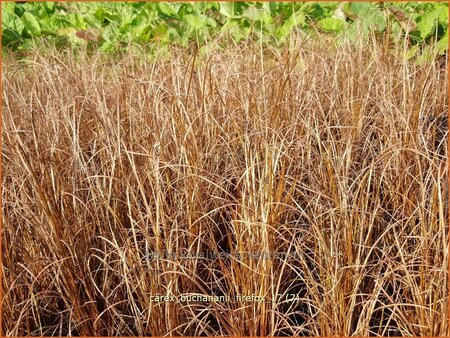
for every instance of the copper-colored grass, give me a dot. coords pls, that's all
(336, 155)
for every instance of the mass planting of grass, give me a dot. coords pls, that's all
(335, 155)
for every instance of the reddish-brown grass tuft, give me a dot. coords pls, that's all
(334, 155)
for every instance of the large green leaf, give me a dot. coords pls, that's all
(166, 9)
(12, 28)
(227, 9)
(8, 7)
(368, 15)
(442, 44)
(196, 21)
(251, 13)
(31, 24)
(428, 23)
(50, 7)
(331, 24)
(295, 19)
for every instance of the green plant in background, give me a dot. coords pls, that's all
(111, 26)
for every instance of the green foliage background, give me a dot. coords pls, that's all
(111, 26)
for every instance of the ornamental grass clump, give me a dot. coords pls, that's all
(334, 157)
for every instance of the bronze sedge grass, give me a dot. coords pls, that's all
(333, 154)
